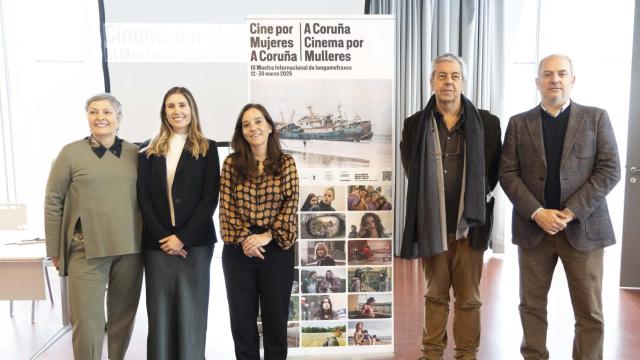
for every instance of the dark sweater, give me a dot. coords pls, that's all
(553, 130)
(322, 207)
(452, 148)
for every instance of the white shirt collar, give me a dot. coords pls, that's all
(563, 108)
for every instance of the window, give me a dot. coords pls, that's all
(601, 56)
(7, 169)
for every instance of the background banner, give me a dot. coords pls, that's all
(328, 84)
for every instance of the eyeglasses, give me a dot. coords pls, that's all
(453, 148)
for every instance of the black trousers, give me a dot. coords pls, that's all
(253, 281)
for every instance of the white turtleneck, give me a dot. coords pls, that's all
(176, 144)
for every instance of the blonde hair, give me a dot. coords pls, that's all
(322, 246)
(197, 143)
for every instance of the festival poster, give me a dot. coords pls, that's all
(328, 84)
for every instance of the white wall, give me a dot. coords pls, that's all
(598, 39)
(54, 61)
(53, 51)
(152, 51)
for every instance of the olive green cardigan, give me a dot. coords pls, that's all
(99, 191)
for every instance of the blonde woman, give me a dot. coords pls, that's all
(178, 192)
(324, 201)
(322, 255)
(358, 334)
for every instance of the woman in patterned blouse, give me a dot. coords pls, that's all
(258, 223)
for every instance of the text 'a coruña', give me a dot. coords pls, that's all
(316, 28)
(264, 55)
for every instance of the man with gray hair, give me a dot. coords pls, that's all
(450, 153)
(559, 161)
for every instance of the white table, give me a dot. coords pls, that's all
(22, 276)
(22, 273)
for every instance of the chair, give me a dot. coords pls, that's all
(13, 216)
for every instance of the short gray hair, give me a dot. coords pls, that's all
(449, 57)
(106, 96)
(562, 56)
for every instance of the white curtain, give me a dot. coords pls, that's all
(8, 193)
(472, 29)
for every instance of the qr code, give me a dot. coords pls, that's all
(386, 176)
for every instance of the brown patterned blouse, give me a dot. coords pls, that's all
(267, 201)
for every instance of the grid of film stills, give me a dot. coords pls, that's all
(341, 293)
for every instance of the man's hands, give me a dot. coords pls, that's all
(553, 221)
(171, 245)
(254, 244)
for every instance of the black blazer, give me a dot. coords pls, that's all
(480, 236)
(195, 198)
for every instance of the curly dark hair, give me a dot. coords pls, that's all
(371, 300)
(364, 232)
(244, 161)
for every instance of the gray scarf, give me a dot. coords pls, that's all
(425, 228)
